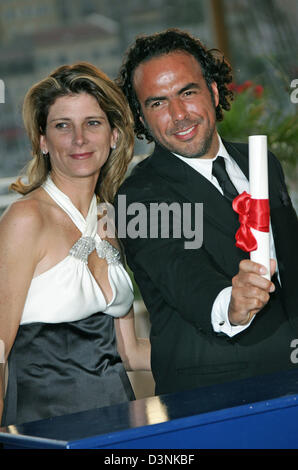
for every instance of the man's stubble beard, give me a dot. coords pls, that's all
(199, 152)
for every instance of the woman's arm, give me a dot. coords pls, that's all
(2, 385)
(134, 352)
(20, 230)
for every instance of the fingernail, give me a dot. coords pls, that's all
(272, 288)
(263, 270)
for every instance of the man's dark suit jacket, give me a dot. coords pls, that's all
(179, 285)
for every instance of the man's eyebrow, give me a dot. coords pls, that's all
(152, 99)
(188, 87)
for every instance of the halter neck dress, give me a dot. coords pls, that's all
(64, 358)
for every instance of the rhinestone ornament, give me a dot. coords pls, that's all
(107, 251)
(82, 248)
(85, 245)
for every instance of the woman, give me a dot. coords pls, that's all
(58, 268)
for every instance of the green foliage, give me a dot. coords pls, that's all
(254, 112)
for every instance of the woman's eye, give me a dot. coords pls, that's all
(93, 123)
(61, 125)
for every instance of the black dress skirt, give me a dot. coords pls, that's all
(61, 368)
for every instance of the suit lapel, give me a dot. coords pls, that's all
(194, 187)
(240, 158)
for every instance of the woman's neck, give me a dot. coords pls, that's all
(79, 190)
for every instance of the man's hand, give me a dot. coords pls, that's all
(250, 291)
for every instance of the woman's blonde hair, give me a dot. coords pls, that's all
(73, 79)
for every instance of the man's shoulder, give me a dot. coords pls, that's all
(141, 178)
(239, 146)
(243, 148)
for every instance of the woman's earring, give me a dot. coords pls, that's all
(44, 153)
(114, 146)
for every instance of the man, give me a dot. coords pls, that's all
(214, 315)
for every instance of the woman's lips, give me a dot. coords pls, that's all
(81, 156)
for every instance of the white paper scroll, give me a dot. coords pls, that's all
(258, 188)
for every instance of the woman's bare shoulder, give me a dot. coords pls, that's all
(26, 215)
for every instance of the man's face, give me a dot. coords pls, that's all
(176, 104)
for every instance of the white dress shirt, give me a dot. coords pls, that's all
(219, 314)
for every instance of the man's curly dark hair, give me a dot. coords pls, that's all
(215, 68)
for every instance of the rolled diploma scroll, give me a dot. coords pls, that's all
(258, 188)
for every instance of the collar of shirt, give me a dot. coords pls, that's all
(204, 167)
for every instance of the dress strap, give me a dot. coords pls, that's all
(88, 226)
(90, 239)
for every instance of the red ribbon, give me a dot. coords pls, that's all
(253, 213)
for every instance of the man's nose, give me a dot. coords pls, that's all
(177, 110)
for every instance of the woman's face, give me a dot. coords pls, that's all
(78, 136)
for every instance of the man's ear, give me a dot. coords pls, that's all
(215, 93)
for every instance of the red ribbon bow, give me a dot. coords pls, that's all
(253, 213)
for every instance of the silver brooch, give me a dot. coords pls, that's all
(82, 248)
(105, 250)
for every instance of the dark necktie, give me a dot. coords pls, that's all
(220, 173)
